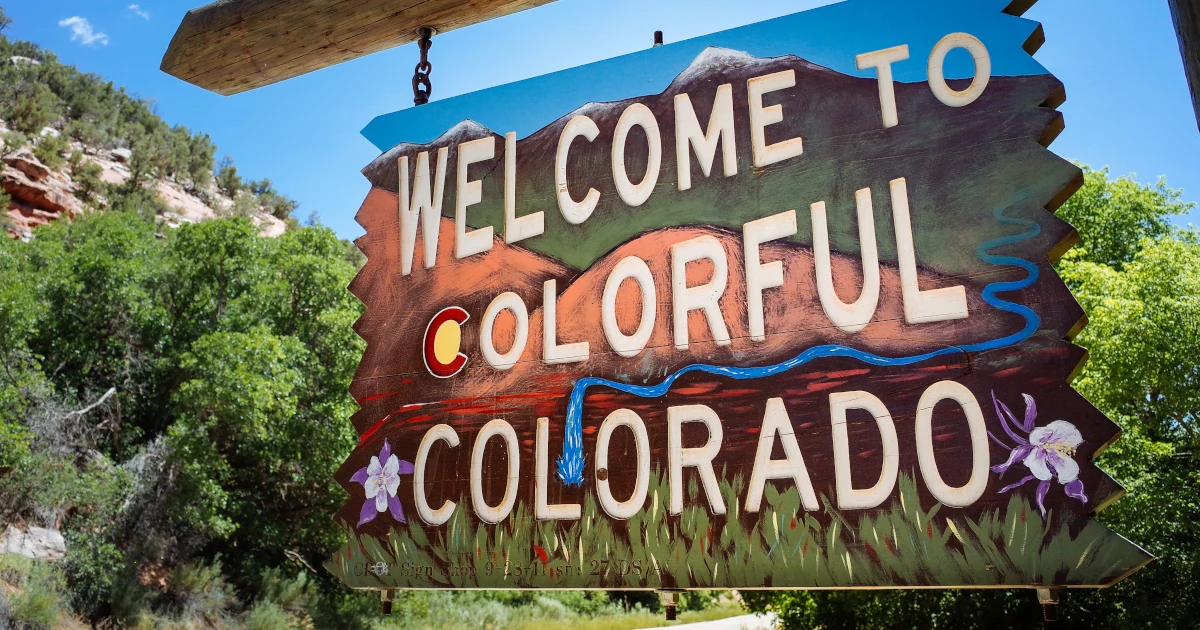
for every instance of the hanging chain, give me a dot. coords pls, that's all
(421, 86)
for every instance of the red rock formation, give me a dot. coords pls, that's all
(39, 194)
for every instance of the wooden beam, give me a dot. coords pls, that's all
(1186, 15)
(231, 46)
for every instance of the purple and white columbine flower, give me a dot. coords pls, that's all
(381, 482)
(1048, 452)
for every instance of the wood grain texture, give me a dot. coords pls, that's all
(990, 487)
(1186, 15)
(231, 46)
(982, 181)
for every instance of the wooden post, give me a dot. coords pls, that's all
(231, 46)
(1186, 15)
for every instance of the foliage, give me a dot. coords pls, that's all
(101, 116)
(904, 544)
(33, 106)
(529, 610)
(276, 204)
(228, 180)
(39, 600)
(5, 202)
(87, 180)
(1138, 278)
(1114, 216)
(244, 205)
(230, 354)
(49, 150)
(13, 141)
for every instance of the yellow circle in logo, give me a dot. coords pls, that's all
(447, 341)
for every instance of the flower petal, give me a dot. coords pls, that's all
(999, 442)
(1030, 413)
(360, 476)
(1065, 467)
(406, 468)
(1036, 463)
(1021, 452)
(386, 451)
(1075, 490)
(391, 466)
(367, 514)
(1001, 410)
(1016, 485)
(396, 509)
(392, 483)
(374, 468)
(381, 501)
(1065, 433)
(1041, 496)
(371, 486)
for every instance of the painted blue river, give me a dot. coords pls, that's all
(571, 462)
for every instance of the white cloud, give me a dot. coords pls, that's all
(82, 30)
(145, 15)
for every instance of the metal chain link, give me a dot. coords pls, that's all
(422, 89)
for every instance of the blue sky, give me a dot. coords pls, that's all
(1127, 107)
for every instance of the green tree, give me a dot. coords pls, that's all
(5, 21)
(35, 107)
(278, 205)
(20, 374)
(199, 165)
(49, 150)
(87, 180)
(228, 181)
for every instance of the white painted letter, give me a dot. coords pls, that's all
(720, 127)
(517, 228)
(485, 512)
(505, 301)
(575, 213)
(762, 117)
(920, 307)
(636, 115)
(622, 344)
(854, 317)
(848, 497)
(470, 193)
(937, 75)
(980, 456)
(698, 458)
(553, 353)
(776, 422)
(543, 511)
(758, 275)
(705, 296)
(623, 510)
(882, 61)
(430, 516)
(420, 209)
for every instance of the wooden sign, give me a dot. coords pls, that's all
(1185, 14)
(770, 308)
(231, 46)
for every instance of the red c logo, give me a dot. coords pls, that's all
(443, 340)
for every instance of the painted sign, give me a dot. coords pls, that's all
(768, 308)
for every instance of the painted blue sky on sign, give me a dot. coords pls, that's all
(829, 36)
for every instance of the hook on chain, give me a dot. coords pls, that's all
(422, 88)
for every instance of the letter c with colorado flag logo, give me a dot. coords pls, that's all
(443, 342)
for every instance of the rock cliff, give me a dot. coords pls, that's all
(40, 194)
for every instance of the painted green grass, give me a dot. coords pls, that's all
(902, 545)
